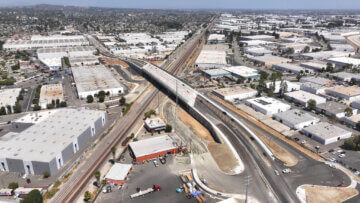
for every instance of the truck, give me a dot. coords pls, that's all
(155, 188)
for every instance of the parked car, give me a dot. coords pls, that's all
(277, 172)
(303, 142)
(331, 150)
(341, 155)
(287, 170)
(332, 166)
(332, 159)
(156, 163)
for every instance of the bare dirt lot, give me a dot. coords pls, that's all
(112, 62)
(156, 63)
(317, 194)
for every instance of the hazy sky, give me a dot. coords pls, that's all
(196, 4)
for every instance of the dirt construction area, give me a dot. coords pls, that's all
(220, 152)
(113, 62)
(278, 151)
(316, 194)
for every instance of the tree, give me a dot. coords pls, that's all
(311, 104)
(122, 101)
(13, 185)
(113, 151)
(9, 109)
(348, 111)
(49, 106)
(240, 80)
(2, 111)
(63, 104)
(306, 49)
(17, 107)
(33, 197)
(37, 108)
(329, 67)
(263, 75)
(168, 128)
(57, 103)
(87, 195)
(46, 174)
(89, 99)
(358, 126)
(298, 77)
(97, 175)
(101, 98)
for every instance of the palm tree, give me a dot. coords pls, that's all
(113, 151)
(97, 175)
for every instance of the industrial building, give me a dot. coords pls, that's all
(269, 60)
(259, 37)
(347, 93)
(344, 61)
(8, 97)
(290, 86)
(322, 55)
(49, 139)
(342, 76)
(211, 59)
(313, 88)
(326, 133)
(51, 57)
(92, 79)
(215, 73)
(318, 80)
(296, 119)
(154, 124)
(235, 93)
(83, 60)
(314, 65)
(118, 173)
(257, 51)
(355, 104)
(352, 120)
(38, 42)
(216, 38)
(49, 93)
(302, 97)
(291, 68)
(155, 147)
(267, 105)
(243, 72)
(332, 108)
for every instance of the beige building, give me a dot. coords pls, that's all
(347, 93)
(235, 93)
(269, 60)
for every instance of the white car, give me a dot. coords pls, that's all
(332, 159)
(332, 166)
(287, 170)
(357, 173)
(156, 163)
(341, 155)
(340, 150)
(303, 142)
(277, 172)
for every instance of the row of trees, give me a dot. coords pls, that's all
(56, 104)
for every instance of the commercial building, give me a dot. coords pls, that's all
(92, 79)
(326, 133)
(352, 120)
(267, 105)
(216, 38)
(211, 59)
(83, 60)
(243, 72)
(344, 61)
(313, 88)
(347, 93)
(287, 85)
(49, 139)
(37, 43)
(318, 80)
(291, 68)
(118, 173)
(155, 147)
(322, 55)
(49, 93)
(8, 97)
(154, 124)
(296, 119)
(235, 93)
(342, 76)
(259, 37)
(355, 104)
(302, 97)
(215, 73)
(332, 108)
(314, 65)
(257, 51)
(269, 60)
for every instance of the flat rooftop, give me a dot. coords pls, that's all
(215, 72)
(317, 80)
(66, 49)
(295, 116)
(48, 137)
(94, 78)
(333, 107)
(303, 96)
(118, 171)
(267, 102)
(348, 91)
(234, 91)
(242, 71)
(154, 122)
(212, 57)
(9, 96)
(154, 145)
(326, 130)
(270, 59)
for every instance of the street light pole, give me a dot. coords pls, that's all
(247, 188)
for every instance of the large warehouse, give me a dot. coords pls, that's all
(350, 93)
(92, 79)
(46, 42)
(267, 105)
(154, 147)
(243, 72)
(269, 60)
(295, 119)
(211, 59)
(326, 133)
(302, 97)
(49, 140)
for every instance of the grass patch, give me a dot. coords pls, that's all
(53, 190)
(127, 108)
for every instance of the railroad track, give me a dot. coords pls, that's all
(75, 185)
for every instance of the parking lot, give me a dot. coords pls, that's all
(145, 176)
